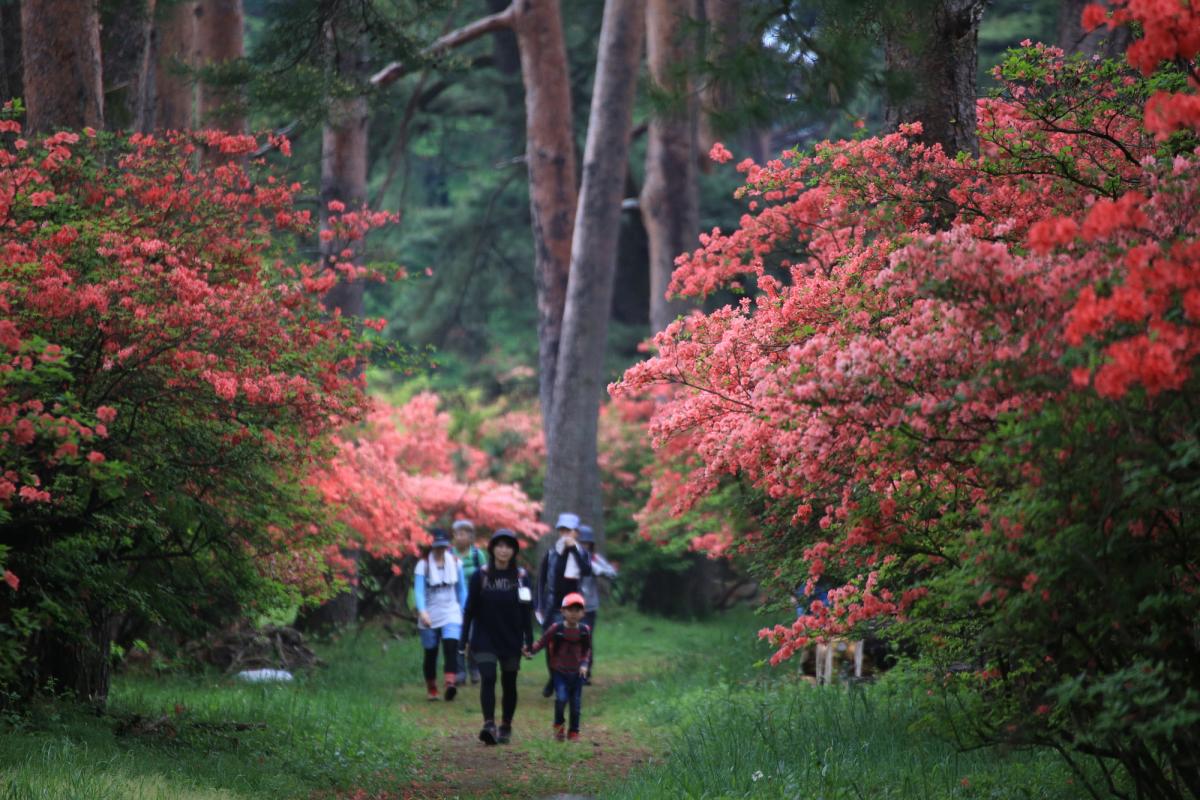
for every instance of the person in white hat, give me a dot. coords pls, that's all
(560, 573)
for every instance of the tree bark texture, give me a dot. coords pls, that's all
(1072, 38)
(344, 178)
(126, 40)
(935, 52)
(175, 46)
(80, 666)
(550, 158)
(722, 32)
(340, 610)
(60, 56)
(10, 52)
(670, 201)
(344, 172)
(572, 474)
(220, 39)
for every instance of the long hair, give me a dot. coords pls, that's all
(512, 564)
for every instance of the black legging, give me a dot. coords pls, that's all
(450, 650)
(487, 692)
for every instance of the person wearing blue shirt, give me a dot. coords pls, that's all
(440, 595)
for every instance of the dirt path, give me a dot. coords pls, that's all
(453, 763)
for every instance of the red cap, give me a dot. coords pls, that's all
(574, 599)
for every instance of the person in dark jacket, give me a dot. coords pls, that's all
(497, 629)
(561, 573)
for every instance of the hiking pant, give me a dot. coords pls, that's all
(508, 685)
(568, 690)
(448, 636)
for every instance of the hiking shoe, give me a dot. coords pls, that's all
(431, 694)
(559, 734)
(505, 735)
(548, 689)
(488, 734)
(451, 686)
(573, 736)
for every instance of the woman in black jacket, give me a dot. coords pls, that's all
(496, 627)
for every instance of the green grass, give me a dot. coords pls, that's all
(183, 737)
(694, 697)
(740, 729)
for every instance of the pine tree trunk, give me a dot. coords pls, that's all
(60, 56)
(344, 178)
(174, 51)
(722, 25)
(82, 667)
(936, 55)
(220, 38)
(670, 201)
(10, 53)
(572, 474)
(550, 155)
(127, 37)
(1072, 38)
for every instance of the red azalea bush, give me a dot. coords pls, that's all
(963, 391)
(403, 472)
(167, 381)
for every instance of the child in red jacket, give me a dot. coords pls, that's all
(570, 646)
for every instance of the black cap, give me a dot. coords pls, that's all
(440, 538)
(504, 533)
(586, 535)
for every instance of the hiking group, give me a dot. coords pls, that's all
(479, 607)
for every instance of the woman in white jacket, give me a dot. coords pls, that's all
(440, 594)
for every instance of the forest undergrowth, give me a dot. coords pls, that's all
(677, 709)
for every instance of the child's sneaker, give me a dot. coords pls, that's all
(505, 735)
(559, 734)
(488, 734)
(573, 736)
(451, 686)
(431, 691)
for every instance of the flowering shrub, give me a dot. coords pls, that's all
(167, 381)
(962, 388)
(403, 472)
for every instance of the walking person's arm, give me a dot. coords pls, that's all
(539, 588)
(471, 610)
(526, 618)
(585, 657)
(419, 596)
(540, 643)
(461, 587)
(584, 560)
(602, 568)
